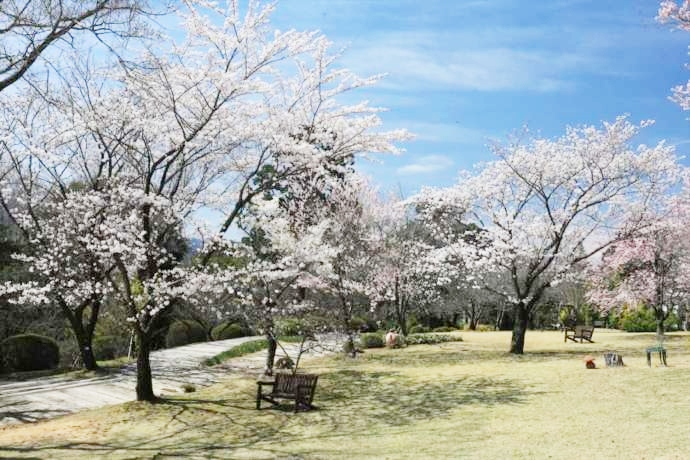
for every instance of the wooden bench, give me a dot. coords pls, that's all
(296, 387)
(579, 332)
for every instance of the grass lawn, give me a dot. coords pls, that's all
(462, 399)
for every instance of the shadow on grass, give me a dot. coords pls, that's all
(351, 403)
(395, 400)
(16, 412)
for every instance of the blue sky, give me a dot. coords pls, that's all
(463, 72)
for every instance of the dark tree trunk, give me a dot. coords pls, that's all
(660, 319)
(517, 343)
(402, 321)
(86, 351)
(454, 319)
(271, 355)
(84, 335)
(144, 378)
(351, 344)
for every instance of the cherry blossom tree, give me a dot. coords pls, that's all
(405, 274)
(546, 206)
(30, 30)
(213, 121)
(651, 269)
(354, 242)
(678, 14)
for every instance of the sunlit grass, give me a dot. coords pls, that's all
(461, 399)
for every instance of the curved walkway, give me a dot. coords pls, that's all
(31, 400)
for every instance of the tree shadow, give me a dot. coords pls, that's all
(350, 402)
(13, 412)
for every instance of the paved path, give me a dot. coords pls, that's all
(28, 401)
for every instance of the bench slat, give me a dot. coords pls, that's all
(297, 387)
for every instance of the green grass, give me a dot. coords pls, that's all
(235, 352)
(245, 349)
(466, 399)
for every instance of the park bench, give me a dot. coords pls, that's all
(297, 387)
(579, 332)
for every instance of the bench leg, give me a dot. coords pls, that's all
(258, 398)
(649, 359)
(662, 355)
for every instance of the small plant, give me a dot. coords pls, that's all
(284, 363)
(188, 388)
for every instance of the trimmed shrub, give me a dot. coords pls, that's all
(443, 329)
(290, 327)
(225, 331)
(418, 329)
(371, 340)
(358, 324)
(431, 339)
(107, 347)
(29, 352)
(182, 332)
(644, 320)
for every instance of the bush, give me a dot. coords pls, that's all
(643, 320)
(290, 327)
(371, 340)
(225, 331)
(419, 329)
(639, 320)
(29, 352)
(443, 329)
(182, 332)
(431, 339)
(358, 324)
(108, 347)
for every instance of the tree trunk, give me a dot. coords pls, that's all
(402, 321)
(144, 379)
(517, 343)
(83, 334)
(84, 341)
(86, 351)
(271, 355)
(350, 345)
(454, 319)
(660, 318)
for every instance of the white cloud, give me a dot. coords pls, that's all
(426, 165)
(445, 132)
(495, 59)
